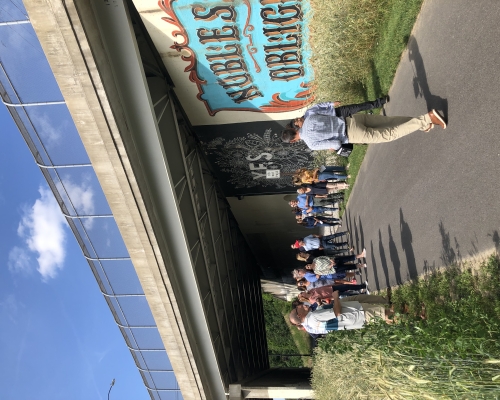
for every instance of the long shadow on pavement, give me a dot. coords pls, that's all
(383, 259)
(449, 255)
(396, 262)
(352, 227)
(420, 84)
(406, 243)
(496, 240)
(373, 267)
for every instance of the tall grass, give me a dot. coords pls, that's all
(343, 34)
(357, 45)
(453, 354)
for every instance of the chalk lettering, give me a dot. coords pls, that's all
(267, 156)
(259, 166)
(256, 175)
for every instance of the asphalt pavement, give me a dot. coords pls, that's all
(431, 199)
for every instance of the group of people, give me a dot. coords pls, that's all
(326, 280)
(319, 189)
(323, 275)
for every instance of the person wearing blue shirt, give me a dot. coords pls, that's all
(321, 129)
(313, 242)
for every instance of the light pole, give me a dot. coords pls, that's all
(111, 387)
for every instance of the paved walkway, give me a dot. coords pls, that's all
(430, 199)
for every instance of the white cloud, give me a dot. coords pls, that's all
(81, 196)
(19, 261)
(11, 307)
(46, 128)
(42, 227)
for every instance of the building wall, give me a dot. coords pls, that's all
(270, 228)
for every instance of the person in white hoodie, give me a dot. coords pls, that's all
(352, 313)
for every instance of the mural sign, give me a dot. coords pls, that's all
(241, 72)
(245, 55)
(254, 162)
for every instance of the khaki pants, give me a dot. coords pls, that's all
(366, 128)
(373, 312)
(367, 299)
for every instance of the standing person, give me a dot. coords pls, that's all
(306, 201)
(322, 129)
(322, 189)
(309, 256)
(309, 176)
(325, 293)
(313, 242)
(309, 280)
(312, 222)
(339, 279)
(349, 110)
(325, 265)
(347, 314)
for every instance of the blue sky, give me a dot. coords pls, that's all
(58, 338)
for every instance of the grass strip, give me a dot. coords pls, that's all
(283, 338)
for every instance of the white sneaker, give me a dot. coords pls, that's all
(366, 290)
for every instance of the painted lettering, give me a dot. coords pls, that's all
(283, 59)
(226, 13)
(286, 74)
(235, 80)
(233, 49)
(226, 33)
(286, 46)
(281, 30)
(228, 67)
(279, 17)
(245, 94)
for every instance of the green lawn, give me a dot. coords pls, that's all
(357, 45)
(453, 354)
(282, 338)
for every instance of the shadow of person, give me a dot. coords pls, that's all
(373, 267)
(383, 259)
(361, 235)
(356, 235)
(420, 84)
(448, 255)
(406, 242)
(393, 253)
(496, 240)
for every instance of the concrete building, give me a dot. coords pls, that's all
(198, 274)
